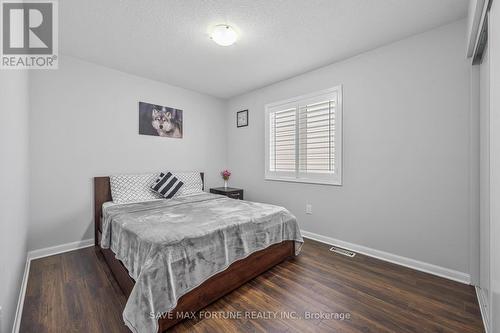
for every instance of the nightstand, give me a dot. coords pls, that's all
(230, 192)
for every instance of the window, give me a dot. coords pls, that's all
(304, 138)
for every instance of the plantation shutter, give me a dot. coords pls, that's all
(304, 139)
(283, 127)
(317, 136)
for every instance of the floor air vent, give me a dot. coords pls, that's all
(342, 251)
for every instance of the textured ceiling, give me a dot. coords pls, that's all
(167, 40)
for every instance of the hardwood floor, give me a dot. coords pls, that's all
(75, 292)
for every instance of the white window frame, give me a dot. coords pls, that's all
(334, 178)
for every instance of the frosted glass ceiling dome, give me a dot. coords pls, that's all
(224, 35)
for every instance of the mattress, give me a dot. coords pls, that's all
(172, 246)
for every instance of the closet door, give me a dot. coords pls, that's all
(494, 84)
(484, 176)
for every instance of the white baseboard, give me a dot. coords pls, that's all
(483, 306)
(393, 258)
(49, 251)
(36, 254)
(20, 300)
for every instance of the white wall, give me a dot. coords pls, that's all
(14, 178)
(406, 187)
(84, 123)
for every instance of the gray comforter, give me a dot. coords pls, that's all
(171, 246)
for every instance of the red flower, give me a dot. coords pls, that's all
(225, 174)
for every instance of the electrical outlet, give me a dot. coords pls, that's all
(309, 208)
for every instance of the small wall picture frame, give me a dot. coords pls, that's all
(242, 118)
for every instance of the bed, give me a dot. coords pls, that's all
(166, 274)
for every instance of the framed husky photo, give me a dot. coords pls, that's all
(157, 120)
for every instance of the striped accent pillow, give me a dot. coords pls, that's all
(167, 185)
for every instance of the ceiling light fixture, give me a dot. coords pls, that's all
(224, 35)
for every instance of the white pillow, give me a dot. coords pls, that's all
(192, 183)
(133, 188)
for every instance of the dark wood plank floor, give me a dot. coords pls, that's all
(75, 292)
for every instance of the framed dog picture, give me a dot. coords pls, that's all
(242, 118)
(157, 120)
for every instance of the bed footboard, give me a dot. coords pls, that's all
(219, 285)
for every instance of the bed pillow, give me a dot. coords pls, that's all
(167, 185)
(192, 183)
(133, 188)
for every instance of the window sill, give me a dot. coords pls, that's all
(305, 181)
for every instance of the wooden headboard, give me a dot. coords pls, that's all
(102, 194)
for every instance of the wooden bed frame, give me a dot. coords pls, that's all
(209, 291)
